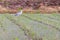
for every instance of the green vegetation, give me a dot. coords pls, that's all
(30, 26)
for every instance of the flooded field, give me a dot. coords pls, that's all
(30, 27)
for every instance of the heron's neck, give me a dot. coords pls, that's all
(21, 10)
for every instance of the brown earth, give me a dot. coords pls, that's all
(42, 9)
(47, 6)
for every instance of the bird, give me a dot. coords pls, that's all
(19, 13)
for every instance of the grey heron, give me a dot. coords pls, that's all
(19, 13)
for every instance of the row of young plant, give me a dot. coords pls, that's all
(45, 20)
(27, 30)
